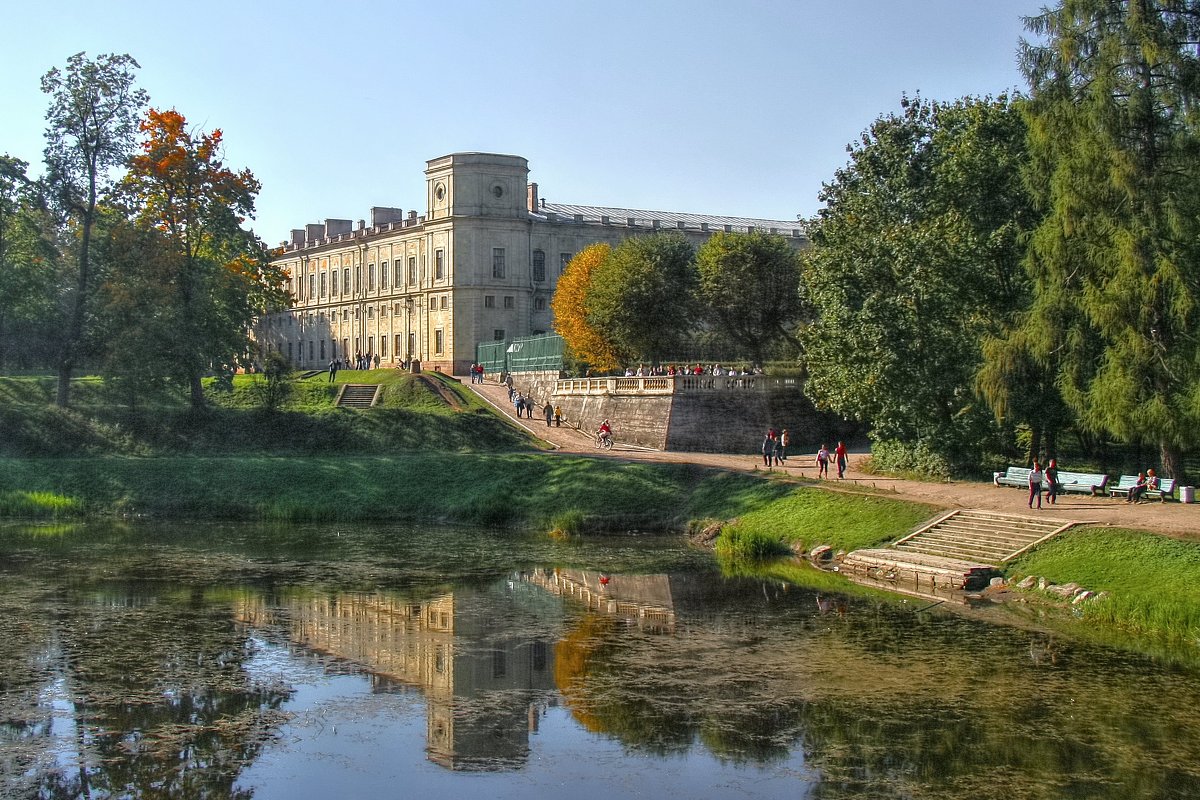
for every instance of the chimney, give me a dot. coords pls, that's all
(335, 226)
(313, 232)
(533, 197)
(382, 215)
(297, 236)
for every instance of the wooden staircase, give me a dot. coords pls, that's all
(357, 395)
(958, 550)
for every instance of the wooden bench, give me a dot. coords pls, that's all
(1082, 482)
(1164, 492)
(1014, 476)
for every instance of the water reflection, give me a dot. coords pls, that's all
(220, 663)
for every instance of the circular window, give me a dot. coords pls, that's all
(498, 190)
(439, 192)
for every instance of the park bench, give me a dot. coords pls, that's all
(1082, 482)
(1164, 492)
(1014, 476)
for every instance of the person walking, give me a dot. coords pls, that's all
(1035, 484)
(839, 455)
(1052, 482)
(823, 462)
(558, 416)
(768, 448)
(785, 440)
(333, 365)
(548, 410)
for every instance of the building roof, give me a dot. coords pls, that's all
(667, 219)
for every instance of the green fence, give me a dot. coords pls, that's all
(523, 354)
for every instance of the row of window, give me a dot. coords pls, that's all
(317, 350)
(317, 281)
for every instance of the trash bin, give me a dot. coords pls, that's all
(1187, 494)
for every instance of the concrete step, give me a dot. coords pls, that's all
(357, 395)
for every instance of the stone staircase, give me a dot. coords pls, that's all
(985, 537)
(357, 395)
(959, 550)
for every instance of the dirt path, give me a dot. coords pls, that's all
(1172, 518)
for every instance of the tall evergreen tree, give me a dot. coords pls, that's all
(1113, 123)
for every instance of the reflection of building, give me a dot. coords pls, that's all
(480, 264)
(644, 599)
(481, 670)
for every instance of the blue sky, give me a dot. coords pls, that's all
(705, 107)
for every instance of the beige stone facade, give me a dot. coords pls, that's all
(480, 264)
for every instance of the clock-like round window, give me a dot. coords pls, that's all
(498, 190)
(439, 192)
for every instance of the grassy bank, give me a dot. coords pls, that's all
(516, 489)
(415, 413)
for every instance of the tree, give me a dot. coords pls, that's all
(642, 296)
(570, 309)
(1113, 123)
(214, 276)
(92, 123)
(915, 257)
(27, 259)
(749, 284)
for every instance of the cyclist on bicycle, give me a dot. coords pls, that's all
(604, 434)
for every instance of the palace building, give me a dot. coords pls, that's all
(480, 264)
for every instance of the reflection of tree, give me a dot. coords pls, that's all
(160, 703)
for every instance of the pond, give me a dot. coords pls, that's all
(329, 661)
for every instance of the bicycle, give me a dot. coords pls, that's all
(604, 442)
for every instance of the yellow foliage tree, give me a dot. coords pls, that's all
(570, 310)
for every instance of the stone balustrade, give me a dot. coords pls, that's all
(671, 384)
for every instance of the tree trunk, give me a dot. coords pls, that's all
(1035, 446)
(1172, 462)
(197, 390)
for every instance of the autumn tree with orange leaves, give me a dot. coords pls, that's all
(570, 310)
(209, 276)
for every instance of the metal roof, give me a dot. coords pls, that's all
(668, 219)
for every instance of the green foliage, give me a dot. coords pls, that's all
(1115, 141)
(277, 381)
(891, 457)
(749, 284)
(914, 259)
(641, 297)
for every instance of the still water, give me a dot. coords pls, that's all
(327, 661)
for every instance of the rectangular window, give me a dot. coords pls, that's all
(497, 262)
(358, 279)
(498, 334)
(322, 349)
(399, 343)
(370, 277)
(346, 280)
(412, 344)
(489, 301)
(312, 285)
(539, 265)
(445, 302)
(539, 304)
(346, 348)
(370, 345)
(438, 341)
(563, 260)
(310, 350)
(322, 284)
(509, 302)
(412, 269)
(383, 346)
(439, 264)
(290, 350)
(333, 281)
(383, 275)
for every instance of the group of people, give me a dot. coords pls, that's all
(525, 406)
(715, 370)
(476, 373)
(359, 361)
(775, 446)
(1046, 480)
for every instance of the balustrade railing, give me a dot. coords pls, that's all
(672, 384)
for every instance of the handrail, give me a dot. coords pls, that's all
(671, 384)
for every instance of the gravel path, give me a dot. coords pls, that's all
(1172, 518)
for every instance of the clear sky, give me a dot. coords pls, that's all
(696, 106)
